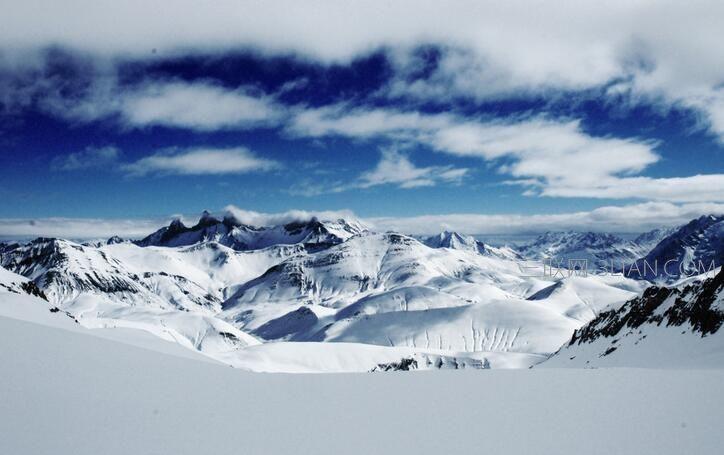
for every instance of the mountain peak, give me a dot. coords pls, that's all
(206, 220)
(176, 224)
(455, 241)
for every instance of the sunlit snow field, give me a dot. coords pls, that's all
(65, 391)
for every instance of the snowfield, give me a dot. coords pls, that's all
(69, 392)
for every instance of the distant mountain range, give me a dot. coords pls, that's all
(449, 300)
(692, 249)
(597, 248)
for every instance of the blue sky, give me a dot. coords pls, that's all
(490, 116)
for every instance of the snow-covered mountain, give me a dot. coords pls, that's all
(238, 236)
(392, 290)
(648, 240)
(327, 296)
(170, 293)
(600, 249)
(676, 326)
(456, 241)
(692, 249)
(13, 283)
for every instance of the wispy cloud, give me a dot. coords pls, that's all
(396, 168)
(89, 158)
(79, 228)
(259, 219)
(199, 106)
(489, 50)
(553, 158)
(200, 161)
(549, 157)
(632, 218)
(676, 189)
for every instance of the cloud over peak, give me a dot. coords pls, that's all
(634, 218)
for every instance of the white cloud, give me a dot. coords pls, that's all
(89, 158)
(260, 219)
(201, 106)
(79, 228)
(199, 161)
(551, 158)
(491, 49)
(396, 168)
(628, 218)
(677, 189)
(196, 106)
(668, 51)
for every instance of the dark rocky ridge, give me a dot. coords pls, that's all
(693, 304)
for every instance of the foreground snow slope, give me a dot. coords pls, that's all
(63, 394)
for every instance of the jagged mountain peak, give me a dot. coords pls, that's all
(456, 241)
(451, 239)
(115, 240)
(231, 232)
(692, 249)
(206, 219)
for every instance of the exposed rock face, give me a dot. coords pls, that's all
(665, 326)
(433, 362)
(698, 304)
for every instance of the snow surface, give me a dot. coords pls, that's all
(67, 392)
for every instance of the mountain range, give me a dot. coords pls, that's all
(333, 295)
